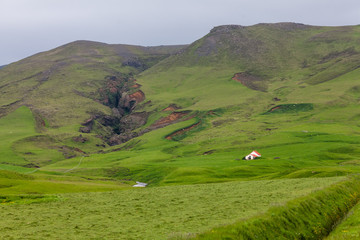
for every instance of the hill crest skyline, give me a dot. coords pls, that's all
(215, 28)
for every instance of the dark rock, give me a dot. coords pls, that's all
(116, 112)
(80, 138)
(208, 152)
(31, 165)
(85, 129)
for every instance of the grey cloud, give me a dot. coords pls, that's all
(30, 26)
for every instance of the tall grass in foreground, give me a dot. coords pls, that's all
(154, 213)
(349, 228)
(310, 217)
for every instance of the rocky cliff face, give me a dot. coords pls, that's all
(121, 94)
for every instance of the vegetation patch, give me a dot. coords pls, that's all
(291, 108)
(182, 133)
(27, 199)
(15, 126)
(200, 124)
(310, 217)
(349, 228)
(14, 175)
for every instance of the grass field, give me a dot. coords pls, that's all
(349, 228)
(13, 127)
(296, 146)
(151, 213)
(311, 217)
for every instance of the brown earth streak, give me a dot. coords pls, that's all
(250, 81)
(171, 107)
(169, 119)
(181, 131)
(138, 96)
(136, 85)
(274, 108)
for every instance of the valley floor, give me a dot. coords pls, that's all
(150, 213)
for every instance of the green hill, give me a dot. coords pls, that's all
(277, 59)
(87, 96)
(71, 84)
(90, 116)
(235, 74)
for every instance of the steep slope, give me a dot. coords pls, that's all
(80, 66)
(79, 83)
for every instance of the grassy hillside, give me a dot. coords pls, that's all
(283, 65)
(90, 116)
(278, 88)
(279, 58)
(15, 126)
(64, 88)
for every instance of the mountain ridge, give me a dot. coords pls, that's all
(265, 51)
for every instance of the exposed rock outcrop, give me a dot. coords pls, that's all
(117, 127)
(171, 107)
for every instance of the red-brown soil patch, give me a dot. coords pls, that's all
(136, 85)
(274, 108)
(162, 122)
(138, 96)
(181, 131)
(171, 107)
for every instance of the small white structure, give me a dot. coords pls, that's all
(140, 184)
(254, 154)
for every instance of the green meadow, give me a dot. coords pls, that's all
(296, 146)
(311, 217)
(15, 126)
(152, 213)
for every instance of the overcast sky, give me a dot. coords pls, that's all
(31, 26)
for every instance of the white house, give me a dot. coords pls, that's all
(254, 154)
